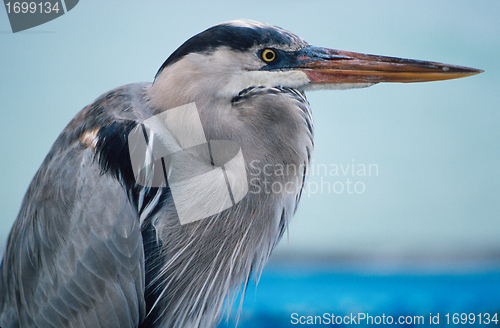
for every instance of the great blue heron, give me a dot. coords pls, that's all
(93, 247)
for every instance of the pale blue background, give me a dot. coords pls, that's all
(436, 197)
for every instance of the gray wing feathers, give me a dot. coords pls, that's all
(99, 279)
(75, 255)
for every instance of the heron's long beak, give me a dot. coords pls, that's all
(322, 65)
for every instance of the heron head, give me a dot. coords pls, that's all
(230, 57)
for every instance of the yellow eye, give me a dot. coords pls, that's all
(268, 55)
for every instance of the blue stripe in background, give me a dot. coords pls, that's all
(315, 289)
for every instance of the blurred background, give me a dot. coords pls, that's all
(401, 214)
